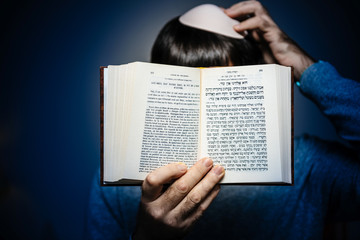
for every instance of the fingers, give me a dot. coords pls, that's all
(199, 195)
(180, 188)
(249, 24)
(174, 211)
(199, 210)
(245, 8)
(153, 183)
(252, 16)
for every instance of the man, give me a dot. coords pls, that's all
(327, 174)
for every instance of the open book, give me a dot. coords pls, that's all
(154, 114)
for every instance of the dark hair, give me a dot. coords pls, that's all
(178, 44)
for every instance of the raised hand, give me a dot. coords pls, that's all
(276, 45)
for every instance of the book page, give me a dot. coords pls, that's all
(113, 112)
(164, 121)
(239, 122)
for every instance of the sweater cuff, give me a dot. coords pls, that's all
(315, 76)
(308, 71)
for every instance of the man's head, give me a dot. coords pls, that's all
(191, 45)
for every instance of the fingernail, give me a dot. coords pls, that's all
(182, 167)
(218, 170)
(207, 162)
(237, 27)
(229, 11)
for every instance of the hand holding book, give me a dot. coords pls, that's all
(175, 209)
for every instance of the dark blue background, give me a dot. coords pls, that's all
(50, 57)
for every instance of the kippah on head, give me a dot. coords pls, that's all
(210, 18)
